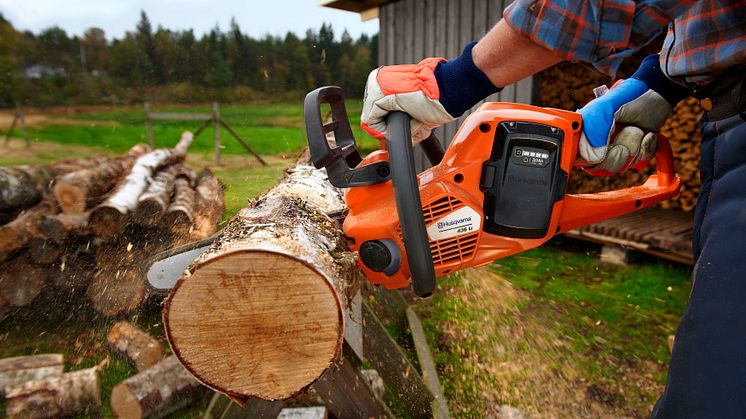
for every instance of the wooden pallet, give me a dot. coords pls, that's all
(661, 232)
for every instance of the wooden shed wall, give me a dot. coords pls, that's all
(410, 30)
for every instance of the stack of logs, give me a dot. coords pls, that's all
(89, 226)
(570, 86)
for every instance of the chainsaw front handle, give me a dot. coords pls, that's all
(583, 209)
(409, 204)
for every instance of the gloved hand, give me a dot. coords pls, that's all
(433, 92)
(642, 103)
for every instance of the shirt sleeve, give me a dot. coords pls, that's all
(600, 32)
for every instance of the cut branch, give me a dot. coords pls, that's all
(21, 369)
(210, 204)
(60, 226)
(74, 393)
(137, 347)
(180, 212)
(275, 284)
(155, 392)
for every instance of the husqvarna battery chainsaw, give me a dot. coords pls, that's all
(498, 190)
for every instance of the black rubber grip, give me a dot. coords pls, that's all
(409, 205)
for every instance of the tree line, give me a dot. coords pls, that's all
(53, 68)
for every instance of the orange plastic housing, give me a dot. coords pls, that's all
(454, 183)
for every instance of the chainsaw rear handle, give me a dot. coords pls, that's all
(583, 209)
(409, 204)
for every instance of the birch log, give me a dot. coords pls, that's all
(209, 201)
(155, 392)
(21, 369)
(107, 219)
(81, 189)
(260, 314)
(153, 203)
(74, 393)
(180, 213)
(137, 347)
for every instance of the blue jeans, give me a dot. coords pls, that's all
(707, 373)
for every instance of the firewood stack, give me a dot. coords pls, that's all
(87, 228)
(570, 86)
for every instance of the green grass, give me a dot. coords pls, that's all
(269, 129)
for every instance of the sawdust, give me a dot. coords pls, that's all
(514, 354)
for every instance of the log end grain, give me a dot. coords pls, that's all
(280, 317)
(138, 347)
(70, 197)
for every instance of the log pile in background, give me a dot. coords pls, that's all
(570, 86)
(88, 227)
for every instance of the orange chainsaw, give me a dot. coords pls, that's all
(498, 190)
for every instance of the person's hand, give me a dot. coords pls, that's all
(409, 88)
(641, 104)
(433, 92)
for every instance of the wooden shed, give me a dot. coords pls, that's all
(410, 30)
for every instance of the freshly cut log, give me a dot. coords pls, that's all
(45, 251)
(74, 393)
(22, 186)
(155, 392)
(153, 203)
(260, 314)
(209, 203)
(20, 231)
(114, 292)
(107, 219)
(60, 226)
(180, 212)
(81, 189)
(21, 281)
(21, 369)
(137, 347)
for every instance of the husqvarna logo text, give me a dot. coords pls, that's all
(443, 224)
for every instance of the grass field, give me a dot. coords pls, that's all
(271, 128)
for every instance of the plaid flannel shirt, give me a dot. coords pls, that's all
(704, 37)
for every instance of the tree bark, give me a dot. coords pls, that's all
(155, 392)
(137, 347)
(261, 313)
(21, 281)
(209, 202)
(180, 213)
(21, 369)
(20, 231)
(107, 219)
(59, 227)
(84, 188)
(74, 393)
(153, 203)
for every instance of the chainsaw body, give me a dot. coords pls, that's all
(498, 190)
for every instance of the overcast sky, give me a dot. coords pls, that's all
(255, 17)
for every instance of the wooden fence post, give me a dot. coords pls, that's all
(149, 125)
(22, 125)
(216, 121)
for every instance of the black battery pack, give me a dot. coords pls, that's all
(522, 179)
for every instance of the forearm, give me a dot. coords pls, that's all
(506, 56)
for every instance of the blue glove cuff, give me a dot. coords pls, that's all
(461, 84)
(598, 115)
(650, 73)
